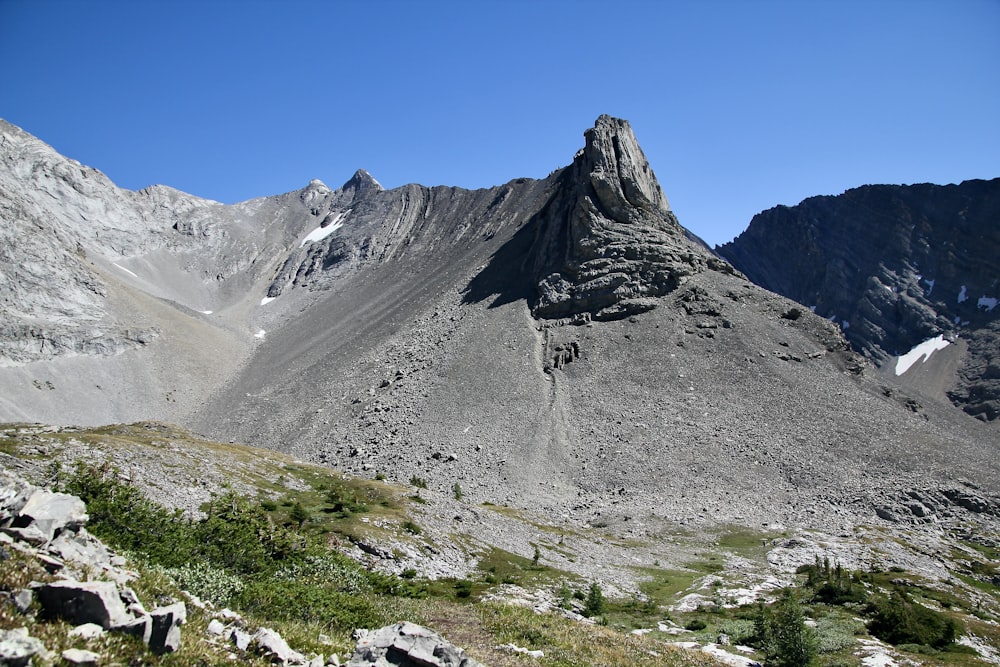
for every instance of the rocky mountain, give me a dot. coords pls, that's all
(560, 344)
(895, 267)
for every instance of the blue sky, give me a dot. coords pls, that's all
(739, 106)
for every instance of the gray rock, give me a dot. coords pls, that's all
(48, 513)
(17, 647)
(241, 639)
(271, 644)
(84, 602)
(87, 631)
(165, 630)
(76, 656)
(22, 600)
(216, 627)
(407, 644)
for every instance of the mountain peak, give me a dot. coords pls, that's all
(362, 182)
(619, 171)
(610, 245)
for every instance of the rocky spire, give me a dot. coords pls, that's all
(607, 244)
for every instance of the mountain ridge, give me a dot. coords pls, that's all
(561, 343)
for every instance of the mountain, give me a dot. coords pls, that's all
(895, 266)
(563, 345)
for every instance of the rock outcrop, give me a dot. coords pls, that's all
(50, 528)
(407, 645)
(607, 243)
(894, 266)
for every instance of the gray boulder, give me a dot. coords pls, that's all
(17, 647)
(45, 514)
(407, 645)
(82, 602)
(273, 646)
(165, 630)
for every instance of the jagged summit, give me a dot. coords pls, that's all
(608, 244)
(362, 182)
(618, 170)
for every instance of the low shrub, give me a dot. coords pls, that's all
(899, 620)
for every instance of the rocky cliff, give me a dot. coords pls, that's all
(894, 266)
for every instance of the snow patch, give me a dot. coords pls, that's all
(987, 302)
(930, 286)
(844, 324)
(267, 299)
(921, 352)
(260, 334)
(962, 295)
(205, 312)
(135, 276)
(321, 233)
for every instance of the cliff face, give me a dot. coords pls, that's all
(894, 266)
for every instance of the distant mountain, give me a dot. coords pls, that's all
(894, 266)
(560, 344)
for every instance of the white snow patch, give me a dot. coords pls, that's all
(889, 288)
(812, 308)
(260, 334)
(321, 233)
(930, 286)
(205, 312)
(987, 302)
(267, 299)
(844, 324)
(962, 295)
(921, 353)
(135, 276)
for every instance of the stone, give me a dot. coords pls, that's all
(407, 643)
(22, 600)
(17, 647)
(216, 627)
(76, 656)
(48, 513)
(87, 631)
(271, 644)
(165, 631)
(84, 602)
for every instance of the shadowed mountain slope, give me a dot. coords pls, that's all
(894, 266)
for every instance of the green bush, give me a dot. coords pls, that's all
(739, 630)
(594, 604)
(783, 635)
(311, 603)
(899, 620)
(695, 625)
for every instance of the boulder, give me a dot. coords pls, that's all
(76, 656)
(17, 647)
(165, 630)
(84, 602)
(273, 646)
(407, 644)
(46, 513)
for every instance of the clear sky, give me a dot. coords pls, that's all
(739, 105)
